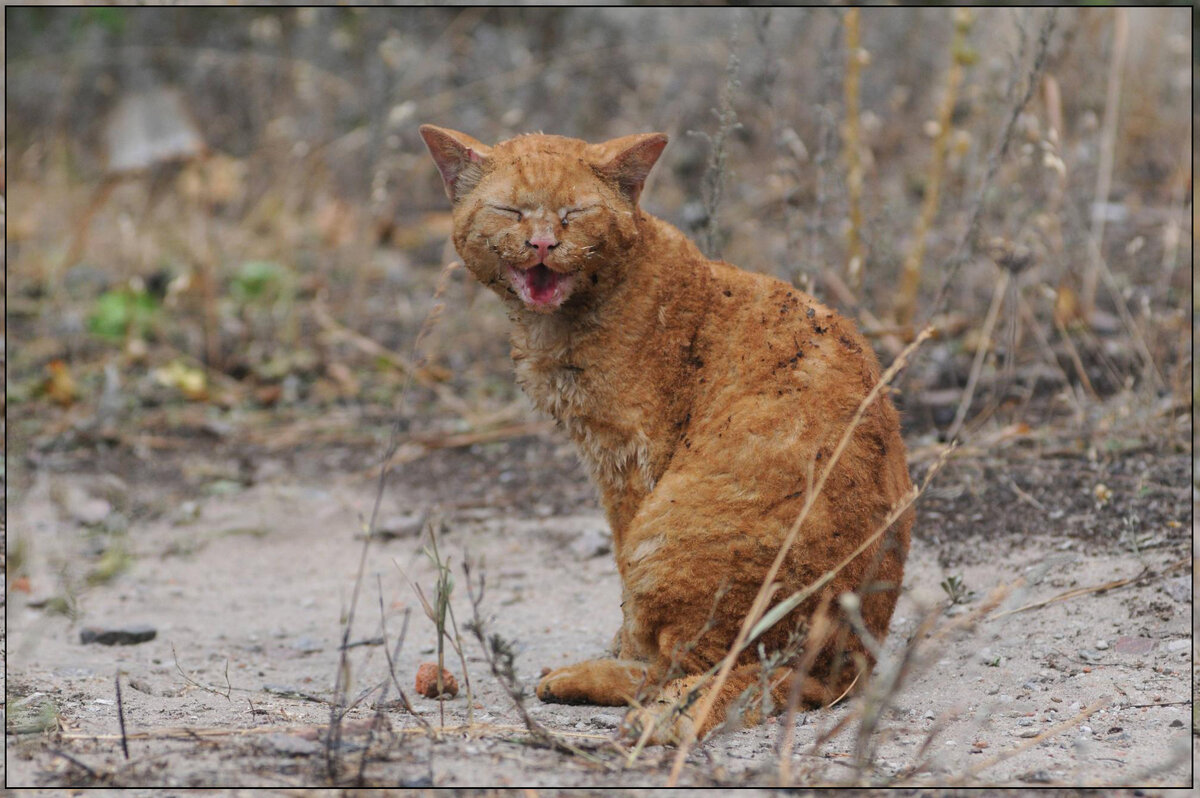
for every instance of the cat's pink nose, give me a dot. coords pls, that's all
(543, 244)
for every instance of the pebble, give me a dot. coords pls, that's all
(1024, 721)
(307, 645)
(1134, 645)
(427, 681)
(1102, 645)
(401, 526)
(1179, 645)
(117, 636)
(1176, 724)
(592, 542)
(80, 505)
(1179, 589)
(289, 745)
(928, 715)
(1085, 729)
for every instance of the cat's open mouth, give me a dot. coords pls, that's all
(540, 287)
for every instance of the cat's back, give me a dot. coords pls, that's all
(784, 375)
(777, 340)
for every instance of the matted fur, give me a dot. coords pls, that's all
(702, 397)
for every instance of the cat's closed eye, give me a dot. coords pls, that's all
(570, 214)
(512, 213)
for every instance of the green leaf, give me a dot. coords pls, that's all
(256, 279)
(120, 312)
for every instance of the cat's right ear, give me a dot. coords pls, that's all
(459, 158)
(628, 160)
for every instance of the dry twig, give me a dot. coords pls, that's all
(960, 57)
(856, 59)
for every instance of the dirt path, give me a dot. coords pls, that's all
(247, 590)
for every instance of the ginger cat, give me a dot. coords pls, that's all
(703, 398)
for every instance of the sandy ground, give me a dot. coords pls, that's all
(248, 589)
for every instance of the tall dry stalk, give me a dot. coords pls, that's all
(713, 183)
(965, 246)
(981, 350)
(961, 56)
(341, 685)
(856, 59)
(1108, 139)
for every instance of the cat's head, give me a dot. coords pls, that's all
(544, 220)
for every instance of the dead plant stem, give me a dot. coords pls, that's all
(121, 717)
(982, 345)
(856, 59)
(965, 245)
(1108, 140)
(960, 57)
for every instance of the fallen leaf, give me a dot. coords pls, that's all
(60, 385)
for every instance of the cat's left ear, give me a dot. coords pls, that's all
(459, 158)
(628, 160)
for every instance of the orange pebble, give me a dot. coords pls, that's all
(427, 681)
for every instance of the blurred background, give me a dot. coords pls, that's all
(226, 233)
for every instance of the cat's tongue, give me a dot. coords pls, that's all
(541, 287)
(542, 283)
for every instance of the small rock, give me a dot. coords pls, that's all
(307, 645)
(290, 745)
(1179, 645)
(427, 681)
(1176, 724)
(185, 513)
(592, 542)
(1089, 656)
(87, 510)
(928, 715)
(117, 636)
(141, 686)
(1085, 729)
(1179, 589)
(1024, 721)
(1101, 645)
(1134, 645)
(604, 722)
(400, 526)
(1029, 733)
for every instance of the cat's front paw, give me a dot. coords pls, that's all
(607, 682)
(561, 687)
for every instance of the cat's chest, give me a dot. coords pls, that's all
(570, 382)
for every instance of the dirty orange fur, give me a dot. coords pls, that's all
(703, 398)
